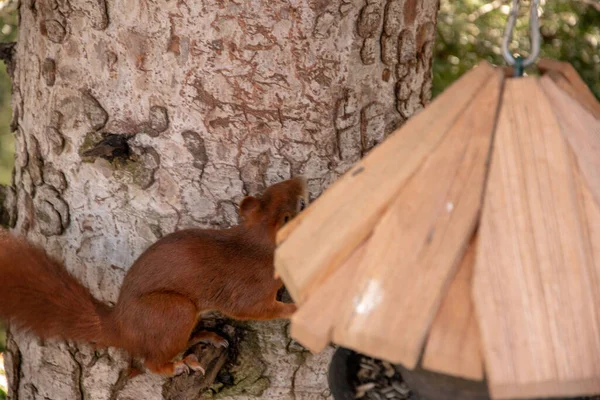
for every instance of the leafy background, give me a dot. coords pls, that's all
(8, 33)
(472, 30)
(468, 32)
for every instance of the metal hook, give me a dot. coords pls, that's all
(534, 34)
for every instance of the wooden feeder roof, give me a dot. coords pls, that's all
(469, 240)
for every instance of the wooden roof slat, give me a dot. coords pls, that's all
(340, 219)
(566, 77)
(313, 323)
(581, 130)
(532, 287)
(453, 345)
(418, 244)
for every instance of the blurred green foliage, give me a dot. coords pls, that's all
(8, 33)
(472, 30)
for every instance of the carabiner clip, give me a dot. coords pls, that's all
(534, 37)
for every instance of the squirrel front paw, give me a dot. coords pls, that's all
(188, 364)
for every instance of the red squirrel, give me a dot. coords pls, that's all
(165, 291)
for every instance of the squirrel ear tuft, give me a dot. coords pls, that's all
(248, 206)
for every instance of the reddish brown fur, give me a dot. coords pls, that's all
(38, 294)
(164, 292)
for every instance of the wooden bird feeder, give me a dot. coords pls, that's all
(468, 242)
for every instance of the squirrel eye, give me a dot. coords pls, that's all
(286, 219)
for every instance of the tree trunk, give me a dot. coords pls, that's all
(135, 118)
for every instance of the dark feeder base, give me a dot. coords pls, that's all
(430, 385)
(425, 384)
(343, 367)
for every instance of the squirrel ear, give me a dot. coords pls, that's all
(249, 205)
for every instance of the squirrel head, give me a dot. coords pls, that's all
(278, 204)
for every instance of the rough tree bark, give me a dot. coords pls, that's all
(134, 118)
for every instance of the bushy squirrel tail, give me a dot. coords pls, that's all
(38, 294)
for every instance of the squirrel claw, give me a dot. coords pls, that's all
(197, 368)
(180, 367)
(192, 363)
